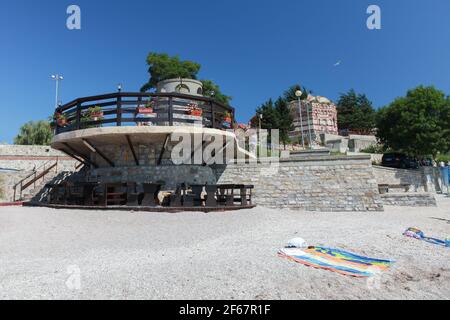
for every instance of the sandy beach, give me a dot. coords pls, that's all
(126, 255)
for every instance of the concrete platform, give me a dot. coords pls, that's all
(83, 143)
(141, 208)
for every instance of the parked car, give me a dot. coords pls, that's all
(399, 160)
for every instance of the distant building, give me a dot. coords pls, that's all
(318, 115)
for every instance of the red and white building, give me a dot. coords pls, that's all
(318, 115)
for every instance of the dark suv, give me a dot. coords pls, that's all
(399, 160)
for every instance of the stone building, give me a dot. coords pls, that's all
(180, 85)
(318, 116)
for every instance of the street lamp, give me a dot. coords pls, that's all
(57, 78)
(260, 122)
(298, 94)
(119, 87)
(309, 127)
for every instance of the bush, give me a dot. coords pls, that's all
(443, 157)
(376, 149)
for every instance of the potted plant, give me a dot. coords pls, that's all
(61, 120)
(227, 117)
(195, 110)
(95, 113)
(147, 109)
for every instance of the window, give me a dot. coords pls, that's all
(182, 88)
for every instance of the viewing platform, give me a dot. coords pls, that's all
(142, 109)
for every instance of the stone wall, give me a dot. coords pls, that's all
(409, 199)
(171, 175)
(28, 158)
(321, 183)
(315, 184)
(20, 161)
(7, 182)
(425, 179)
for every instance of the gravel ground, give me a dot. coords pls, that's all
(126, 255)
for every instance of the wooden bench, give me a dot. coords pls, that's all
(385, 188)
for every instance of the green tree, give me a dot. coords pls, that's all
(275, 116)
(210, 89)
(284, 119)
(35, 133)
(289, 94)
(418, 124)
(355, 112)
(163, 67)
(268, 115)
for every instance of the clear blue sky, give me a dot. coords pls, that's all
(253, 49)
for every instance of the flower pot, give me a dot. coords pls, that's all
(227, 120)
(144, 110)
(62, 122)
(196, 113)
(97, 115)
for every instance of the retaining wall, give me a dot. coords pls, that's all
(29, 158)
(409, 199)
(425, 179)
(314, 184)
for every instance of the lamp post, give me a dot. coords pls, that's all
(309, 127)
(298, 94)
(119, 87)
(57, 78)
(260, 122)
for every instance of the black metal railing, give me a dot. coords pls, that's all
(132, 109)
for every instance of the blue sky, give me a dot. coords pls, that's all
(253, 49)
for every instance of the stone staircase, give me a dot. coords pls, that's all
(31, 192)
(32, 188)
(41, 195)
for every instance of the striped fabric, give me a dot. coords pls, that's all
(338, 261)
(418, 234)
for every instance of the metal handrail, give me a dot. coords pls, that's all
(42, 174)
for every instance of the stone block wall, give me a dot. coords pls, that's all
(409, 199)
(425, 179)
(7, 182)
(28, 158)
(171, 175)
(315, 184)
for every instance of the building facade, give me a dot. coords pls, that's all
(318, 115)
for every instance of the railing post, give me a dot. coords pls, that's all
(78, 120)
(14, 196)
(119, 110)
(170, 111)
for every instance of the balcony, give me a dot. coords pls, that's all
(142, 109)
